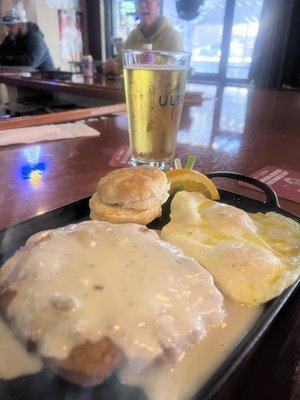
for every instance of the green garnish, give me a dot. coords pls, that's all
(190, 162)
(177, 163)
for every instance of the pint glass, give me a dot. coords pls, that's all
(154, 87)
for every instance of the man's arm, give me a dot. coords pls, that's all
(2, 48)
(35, 54)
(6, 46)
(5, 50)
(114, 66)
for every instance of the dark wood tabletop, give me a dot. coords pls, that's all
(98, 86)
(242, 131)
(11, 70)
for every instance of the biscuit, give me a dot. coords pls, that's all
(130, 195)
(133, 187)
(119, 215)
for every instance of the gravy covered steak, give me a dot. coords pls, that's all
(94, 297)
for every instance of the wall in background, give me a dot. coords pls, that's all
(47, 20)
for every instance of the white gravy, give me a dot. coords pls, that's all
(14, 359)
(65, 282)
(182, 380)
(75, 301)
(178, 382)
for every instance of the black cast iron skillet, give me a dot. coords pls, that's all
(47, 386)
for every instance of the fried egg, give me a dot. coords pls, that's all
(252, 257)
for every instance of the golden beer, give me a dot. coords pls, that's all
(154, 96)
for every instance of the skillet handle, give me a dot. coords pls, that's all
(272, 200)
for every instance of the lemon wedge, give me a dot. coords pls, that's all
(192, 181)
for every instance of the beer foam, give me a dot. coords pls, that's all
(158, 67)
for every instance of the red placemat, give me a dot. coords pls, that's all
(121, 157)
(284, 182)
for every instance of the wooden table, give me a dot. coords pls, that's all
(98, 87)
(243, 131)
(6, 70)
(11, 70)
(64, 116)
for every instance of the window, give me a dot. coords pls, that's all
(244, 31)
(201, 36)
(204, 36)
(124, 18)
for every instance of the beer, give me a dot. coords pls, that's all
(154, 95)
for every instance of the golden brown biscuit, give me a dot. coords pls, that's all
(130, 195)
(119, 215)
(131, 187)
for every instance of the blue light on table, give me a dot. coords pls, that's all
(34, 167)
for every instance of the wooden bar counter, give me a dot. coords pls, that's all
(243, 131)
(97, 87)
(10, 70)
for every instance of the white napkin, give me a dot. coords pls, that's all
(46, 132)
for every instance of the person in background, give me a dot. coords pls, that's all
(153, 31)
(24, 44)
